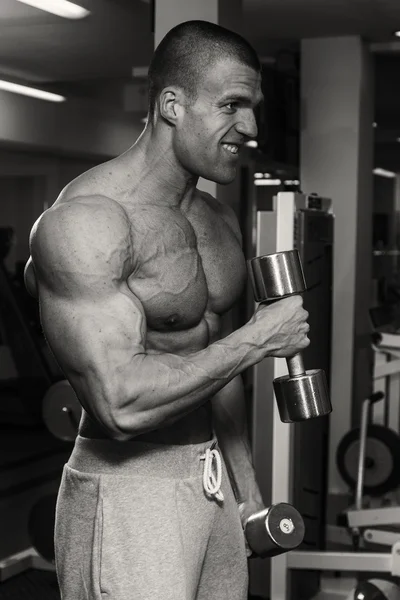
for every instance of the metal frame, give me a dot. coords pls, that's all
(23, 561)
(373, 517)
(274, 231)
(347, 561)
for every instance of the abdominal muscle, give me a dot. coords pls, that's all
(194, 427)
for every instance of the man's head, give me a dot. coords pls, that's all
(204, 82)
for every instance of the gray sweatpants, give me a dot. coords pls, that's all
(137, 521)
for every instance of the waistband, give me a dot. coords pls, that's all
(139, 458)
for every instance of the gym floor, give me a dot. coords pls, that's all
(31, 585)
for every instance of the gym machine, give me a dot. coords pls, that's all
(367, 459)
(290, 459)
(386, 347)
(365, 462)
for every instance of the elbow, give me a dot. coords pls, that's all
(120, 436)
(121, 429)
(125, 424)
(111, 409)
(119, 433)
(121, 416)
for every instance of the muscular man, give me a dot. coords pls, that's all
(134, 269)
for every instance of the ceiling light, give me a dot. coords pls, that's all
(61, 8)
(397, 33)
(28, 91)
(267, 175)
(374, 125)
(251, 144)
(258, 175)
(267, 182)
(384, 173)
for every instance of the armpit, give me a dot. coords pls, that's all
(30, 279)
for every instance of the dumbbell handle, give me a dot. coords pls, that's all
(295, 365)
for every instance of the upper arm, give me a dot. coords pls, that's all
(95, 326)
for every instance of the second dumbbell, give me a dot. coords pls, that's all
(274, 530)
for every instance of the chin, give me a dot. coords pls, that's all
(222, 178)
(227, 179)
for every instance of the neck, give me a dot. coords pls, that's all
(158, 174)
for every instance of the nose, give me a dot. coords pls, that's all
(247, 124)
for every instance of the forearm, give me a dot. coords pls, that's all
(230, 424)
(162, 388)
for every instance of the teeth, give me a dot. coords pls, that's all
(232, 148)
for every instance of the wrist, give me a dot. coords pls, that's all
(254, 341)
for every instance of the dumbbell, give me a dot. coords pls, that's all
(274, 530)
(301, 395)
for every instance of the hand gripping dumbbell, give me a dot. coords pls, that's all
(274, 530)
(302, 394)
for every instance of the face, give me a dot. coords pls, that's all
(212, 129)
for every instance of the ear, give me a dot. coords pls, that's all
(171, 104)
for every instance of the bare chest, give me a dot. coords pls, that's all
(187, 267)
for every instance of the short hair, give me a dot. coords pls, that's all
(185, 54)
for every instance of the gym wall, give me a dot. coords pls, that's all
(77, 127)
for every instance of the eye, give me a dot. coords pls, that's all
(231, 106)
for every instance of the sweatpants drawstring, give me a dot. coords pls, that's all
(212, 481)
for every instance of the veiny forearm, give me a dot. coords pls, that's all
(164, 387)
(230, 424)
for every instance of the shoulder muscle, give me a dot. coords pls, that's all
(85, 242)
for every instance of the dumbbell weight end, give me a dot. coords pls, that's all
(274, 530)
(302, 397)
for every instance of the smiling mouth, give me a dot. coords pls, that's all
(231, 148)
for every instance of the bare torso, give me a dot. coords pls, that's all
(189, 271)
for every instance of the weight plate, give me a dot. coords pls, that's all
(378, 462)
(377, 589)
(61, 411)
(382, 458)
